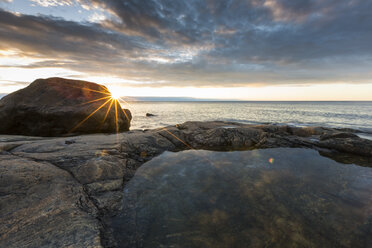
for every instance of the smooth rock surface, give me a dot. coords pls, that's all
(57, 106)
(43, 206)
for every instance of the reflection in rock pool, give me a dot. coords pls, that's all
(280, 197)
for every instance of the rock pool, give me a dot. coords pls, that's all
(282, 197)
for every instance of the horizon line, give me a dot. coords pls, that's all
(192, 99)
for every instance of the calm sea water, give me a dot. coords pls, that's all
(357, 115)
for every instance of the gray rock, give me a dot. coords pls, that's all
(98, 169)
(355, 145)
(104, 186)
(42, 206)
(337, 136)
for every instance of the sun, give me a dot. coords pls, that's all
(115, 95)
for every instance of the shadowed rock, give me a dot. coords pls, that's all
(57, 106)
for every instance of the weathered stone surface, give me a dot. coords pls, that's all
(104, 186)
(98, 166)
(337, 136)
(42, 206)
(57, 106)
(108, 202)
(356, 145)
(98, 169)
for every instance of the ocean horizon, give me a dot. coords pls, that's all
(130, 99)
(175, 110)
(339, 114)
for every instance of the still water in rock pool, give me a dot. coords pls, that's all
(281, 197)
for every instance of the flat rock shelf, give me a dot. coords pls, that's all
(66, 191)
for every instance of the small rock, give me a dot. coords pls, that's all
(69, 142)
(149, 115)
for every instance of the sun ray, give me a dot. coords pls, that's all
(103, 87)
(116, 115)
(108, 111)
(106, 92)
(127, 103)
(125, 113)
(96, 100)
(95, 111)
(175, 136)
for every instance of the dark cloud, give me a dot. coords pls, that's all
(211, 42)
(45, 34)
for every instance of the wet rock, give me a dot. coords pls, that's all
(347, 158)
(226, 139)
(57, 106)
(306, 131)
(150, 115)
(356, 145)
(204, 125)
(338, 136)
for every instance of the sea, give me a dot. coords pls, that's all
(355, 115)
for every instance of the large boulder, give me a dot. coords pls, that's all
(57, 107)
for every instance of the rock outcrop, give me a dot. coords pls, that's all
(57, 106)
(70, 185)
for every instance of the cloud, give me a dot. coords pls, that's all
(47, 3)
(204, 43)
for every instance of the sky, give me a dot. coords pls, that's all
(217, 49)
